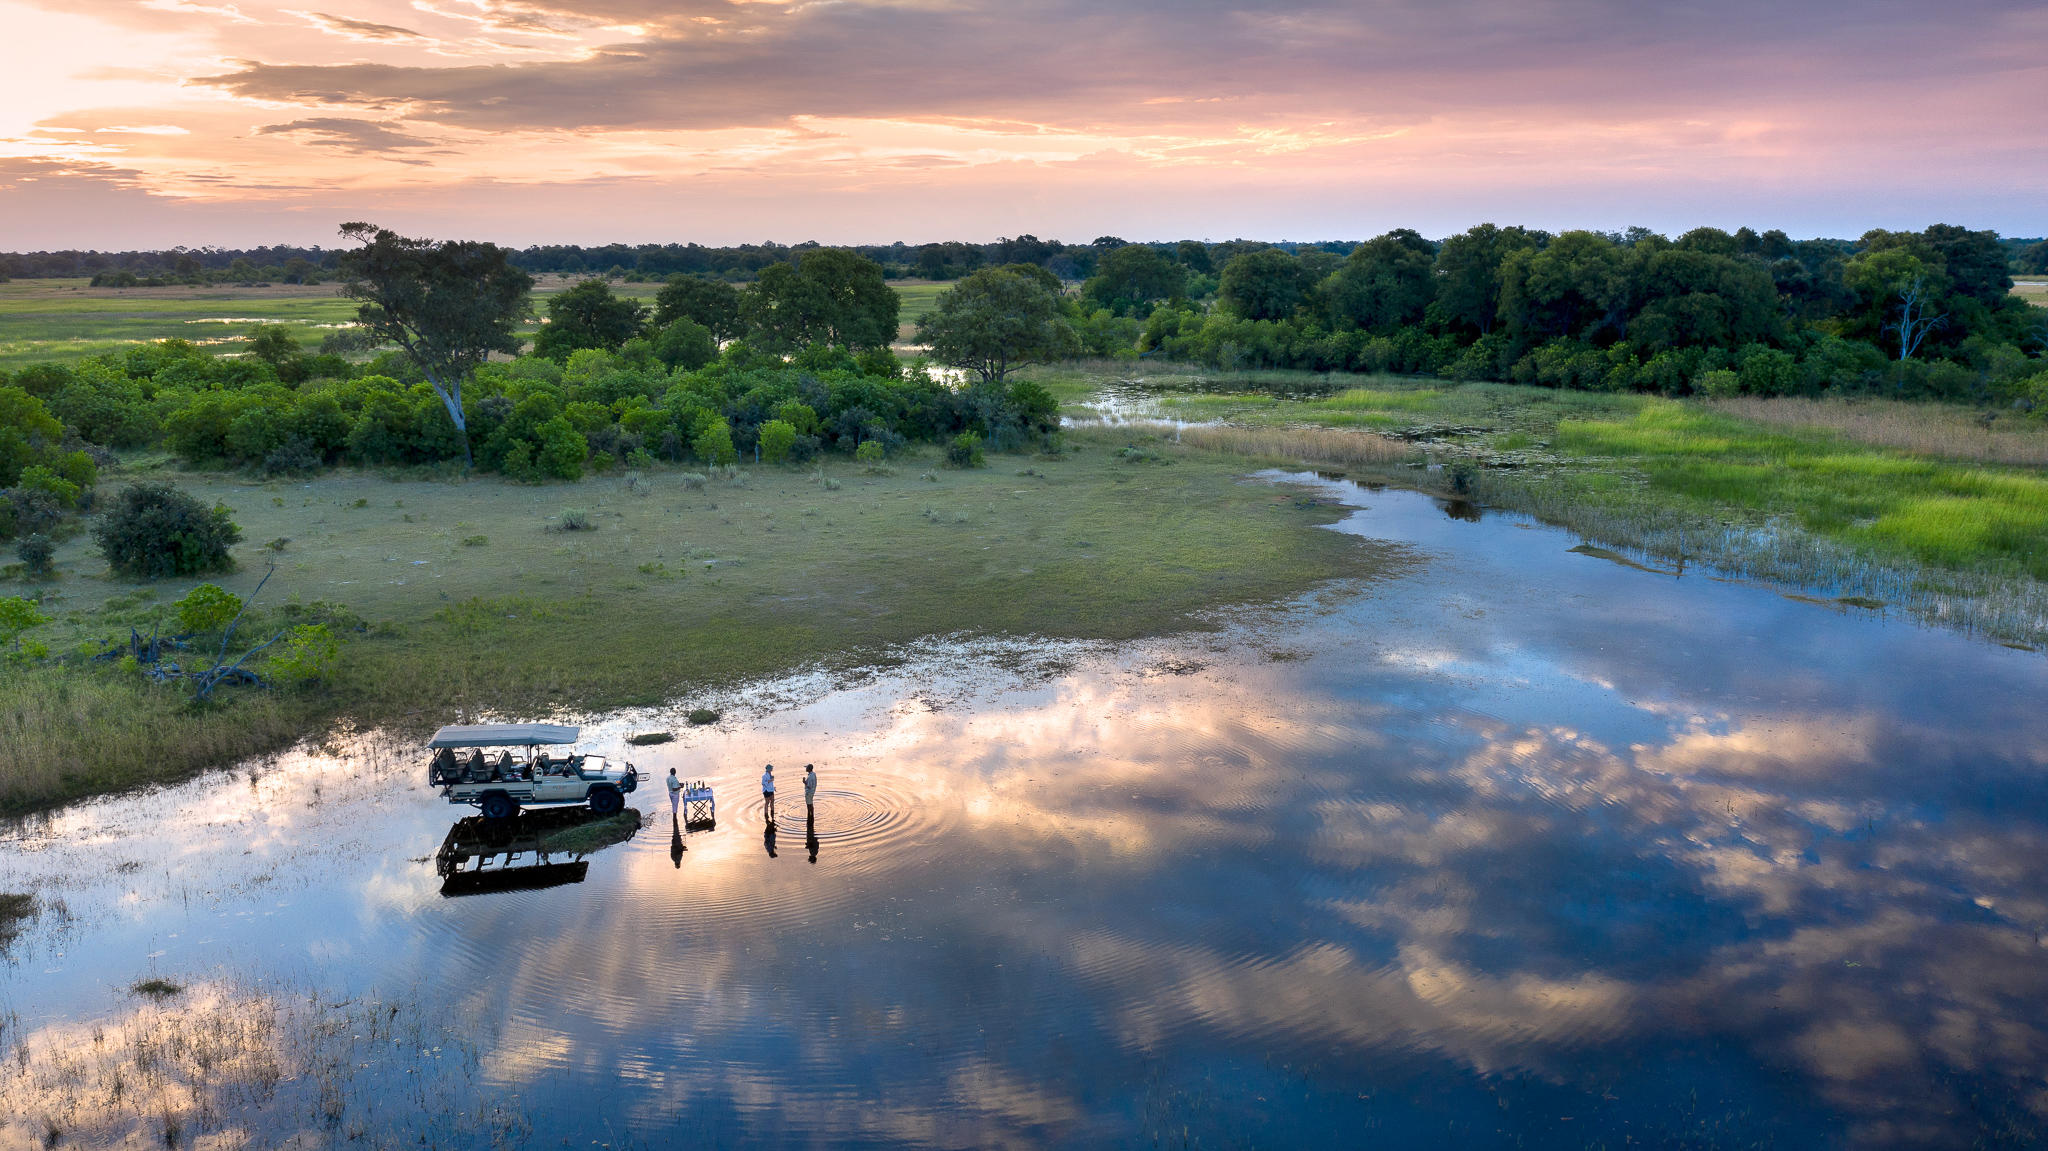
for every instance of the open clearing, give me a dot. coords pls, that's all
(476, 605)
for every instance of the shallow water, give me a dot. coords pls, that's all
(1522, 847)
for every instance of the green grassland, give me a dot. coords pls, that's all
(1807, 504)
(64, 320)
(475, 605)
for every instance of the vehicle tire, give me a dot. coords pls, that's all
(498, 805)
(606, 800)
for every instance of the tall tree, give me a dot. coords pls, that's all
(996, 321)
(1268, 284)
(447, 304)
(825, 296)
(713, 304)
(588, 316)
(1468, 275)
(1130, 279)
(1385, 283)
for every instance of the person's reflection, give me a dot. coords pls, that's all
(675, 841)
(768, 840)
(811, 831)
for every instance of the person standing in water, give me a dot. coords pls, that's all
(675, 791)
(810, 786)
(768, 791)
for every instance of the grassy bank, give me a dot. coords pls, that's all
(478, 604)
(1920, 506)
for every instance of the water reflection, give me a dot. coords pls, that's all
(1521, 849)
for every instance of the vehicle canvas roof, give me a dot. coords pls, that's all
(503, 734)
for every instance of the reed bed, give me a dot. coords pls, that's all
(1923, 429)
(2008, 607)
(1305, 445)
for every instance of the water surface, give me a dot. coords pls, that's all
(1520, 847)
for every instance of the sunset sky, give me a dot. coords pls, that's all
(148, 123)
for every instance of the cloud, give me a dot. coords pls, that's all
(363, 136)
(361, 30)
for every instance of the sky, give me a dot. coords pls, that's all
(152, 123)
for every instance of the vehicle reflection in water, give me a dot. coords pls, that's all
(529, 851)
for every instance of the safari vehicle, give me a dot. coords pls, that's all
(501, 767)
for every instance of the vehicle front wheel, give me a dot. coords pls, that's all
(606, 800)
(498, 805)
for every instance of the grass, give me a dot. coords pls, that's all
(224, 1063)
(1914, 505)
(1942, 431)
(680, 589)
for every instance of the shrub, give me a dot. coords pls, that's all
(871, 453)
(17, 615)
(207, 607)
(1720, 383)
(965, 451)
(692, 480)
(308, 654)
(563, 450)
(37, 553)
(777, 438)
(31, 511)
(293, 457)
(42, 479)
(702, 716)
(575, 520)
(715, 444)
(155, 530)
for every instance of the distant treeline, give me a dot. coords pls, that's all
(641, 262)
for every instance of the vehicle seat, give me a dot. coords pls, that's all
(444, 770)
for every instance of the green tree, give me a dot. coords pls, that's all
(685, 344)
(1384, 284)
(1575, 286)
(996, 321)
(588, 316)
(447, 304)
(714, 304)
(1130, 279)
(826, 296)
(714, 443)
(1468, 276)
(18, 615)
(28, 433)
(1902, 295)
(1268, 284)
(777, 438)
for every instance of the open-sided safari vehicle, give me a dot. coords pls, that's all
(502, 767)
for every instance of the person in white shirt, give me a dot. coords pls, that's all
(768, 791)
(675, 791)
(810, 786)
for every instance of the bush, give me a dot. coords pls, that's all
(778, 437)
(1720, 383)
(871, 453)
(965, 451)
(575, 520)
(30, 511)
(156, 530)
(207, 607)
(293, 457)
(17, 615)
(308, 654)
(37, 554)
(42, 479)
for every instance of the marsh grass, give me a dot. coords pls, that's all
(1915, 507)
(1300, 445)
(533, 625)
(251, 1064)
(1941, 430)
